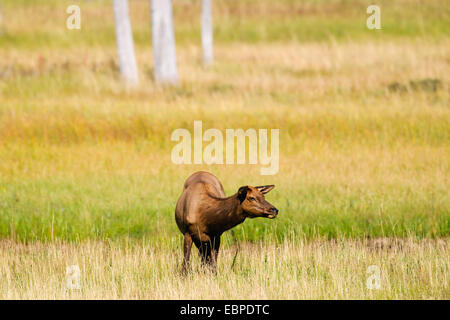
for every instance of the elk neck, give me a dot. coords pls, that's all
(226, 213)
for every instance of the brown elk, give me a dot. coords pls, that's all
(203, 213)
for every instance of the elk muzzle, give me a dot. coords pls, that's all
(273, 212)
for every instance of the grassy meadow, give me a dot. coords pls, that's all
(86, 175)
(315, 269)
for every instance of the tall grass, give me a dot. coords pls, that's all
(292, 270)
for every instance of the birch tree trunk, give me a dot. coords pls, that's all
(125, 47)
(163, 39)
(207, 32)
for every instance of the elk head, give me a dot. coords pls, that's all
(253, 202)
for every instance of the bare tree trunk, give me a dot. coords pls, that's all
(207, 32)
(1, 20)
(163, 39)
(125, 47)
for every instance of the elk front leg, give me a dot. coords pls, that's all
(215, 251)
(187, 252)
(209, 251)
(204, 248)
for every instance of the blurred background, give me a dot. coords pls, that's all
(363, 117)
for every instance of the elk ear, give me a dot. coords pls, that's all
(265, 189)
(242, 193)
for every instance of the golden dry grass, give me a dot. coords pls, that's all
(292, 270)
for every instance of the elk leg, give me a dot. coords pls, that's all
(187, 252)
(215, 251)
(204, 248)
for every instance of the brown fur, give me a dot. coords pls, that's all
(203, 213)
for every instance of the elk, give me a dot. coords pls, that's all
(203, 213)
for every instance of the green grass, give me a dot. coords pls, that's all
(364, 117)
(72, 208)
(81, 157)
(235, 21)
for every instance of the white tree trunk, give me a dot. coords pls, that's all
(125, 47)
(207, 32)
(163, 39)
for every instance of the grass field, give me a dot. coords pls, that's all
(364, 119)
(292, 270)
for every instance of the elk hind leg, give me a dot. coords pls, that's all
(187, 252)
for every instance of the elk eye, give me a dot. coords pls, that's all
(251, 199)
